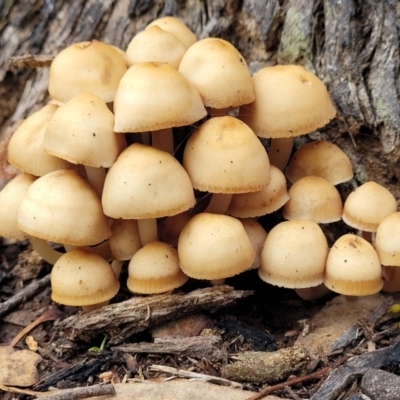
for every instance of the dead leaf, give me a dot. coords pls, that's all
(18, 367)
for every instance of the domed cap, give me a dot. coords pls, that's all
(265, 201)
(219, 72)
(91, 66)
(155, 45)
(367, 206)
(82, 278)
(153, 97)
(177, 28)
(81, 131)
(214, 246)
(320, 158)
(10, 198)
(353, 267)
(294, 255)
(62, 207)
(146, 182)
(313, 198)
(155, 269)
(26, 150)
(387, 240)
(290, 101)
(239, 161)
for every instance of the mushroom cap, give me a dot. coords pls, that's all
(353, 267)
(90, 66)
(152, 97)
(124, 239)
(155, 269)
(239, 161)
(265, 201)
(387, 240)
(321, 158)
(290, 101)
(146, 182)
(26, 150)
(81, 131)
(313, 198)
(82, 278)
(155, 45)
(219, 72)
(214, 246)
(10, 198)
(294, 255)
(62, 207)
(367, 206)
(257, 235)
(177, 28)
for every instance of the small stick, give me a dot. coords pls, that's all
(194, 375)
(82, 393)
(49, 315)
(29, 291)
(31, 61)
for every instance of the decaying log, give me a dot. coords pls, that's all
(123, 319)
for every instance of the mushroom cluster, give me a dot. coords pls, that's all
(102, 175)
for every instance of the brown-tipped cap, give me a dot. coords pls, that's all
(177, 28)
(10, 199)
(262, 202)
(152, 97)
(368, 206)
(62, 207)
(26, 150)
(214, 246)
(81, 131)
(154, 184)
(82, 278)
(155, 45)
(239, 164)
(290, 101)
(91, 66)
(313, 198)
(155, 269)
(320, 158)
(294, 255)
(219, 72)
(353, 267)
(387, 240)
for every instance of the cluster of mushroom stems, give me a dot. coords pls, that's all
(101, 175)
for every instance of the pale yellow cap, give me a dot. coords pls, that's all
(146, 182)
(294, 255)
(223, 155)
(219, 72)
(82, 278)
(353, 267)
(155, 96)
(387, 240)
(62, 207)
(155, 269)
(289, 101)
(214, 246)
(91, 66)
(367, 206)
(313, 198)
(321, 158)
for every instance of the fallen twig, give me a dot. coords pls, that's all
(31, 61)
(194, 375)
(29, 291)
(82, 393)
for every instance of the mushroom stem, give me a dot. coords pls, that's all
(217, 112)
(217, 282)
(116, 265)
(163, 139)
(219, 203)
(146, 138)
(147, 230)
(45, 250)
(102, 249)
(96, 178)
(280, 151)
(313, 293)
(93, 307)
(368, 236)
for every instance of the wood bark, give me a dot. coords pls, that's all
(352, 45)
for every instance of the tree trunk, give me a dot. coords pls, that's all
(352, 45)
